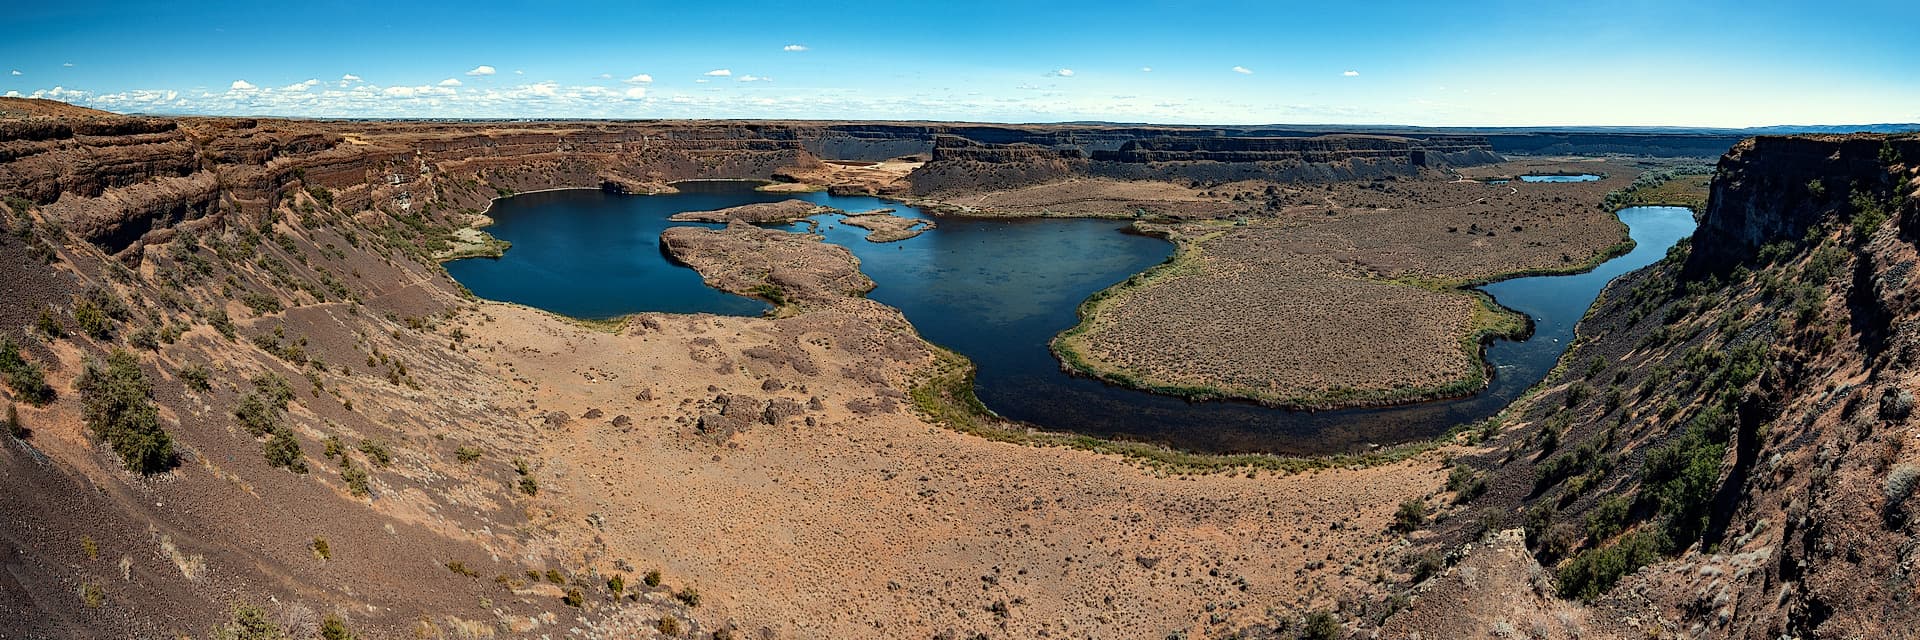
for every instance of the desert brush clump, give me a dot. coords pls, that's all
(25, 378)
(118, 408)
(283, 451)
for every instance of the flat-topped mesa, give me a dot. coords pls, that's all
(758, 212)
(1195, 155)
(1319, 149)
(955, 148)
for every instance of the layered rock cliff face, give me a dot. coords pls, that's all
(115, 189)
(1771, 188)
(1728, 449)
(1193, 155)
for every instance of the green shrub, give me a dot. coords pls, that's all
(283, 450)
(257, 415)
(321, 548)
(333, 447)
(49, 325)
(1411, 514)
(358, 483)
(1681, 478)
(459, 567)
(118, 407)
(668, 625)
(260, 410)
(1595, 571)
(377, 452)
(93, 595)
(249, 623)
(146, 338)
(574, 597)
(652, 579)
(333, 628)
(553, 576)
(196, 377)
(1608, 518)
(688, 596)
(23, 377)
(1320, 625)
(15, 428)
(92, 320)
(1466, 484)
(466, 455)
(529, 486)
(218, 319)
(617, 584)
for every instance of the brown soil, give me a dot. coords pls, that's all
(886, 227)
(757, 213)
(1089, 197)
(887, 176)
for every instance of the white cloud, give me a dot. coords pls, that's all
(450, 82)
(67, 64)
(605, 76)
(639, 79)
(241, 85)
(1064, 73)
(1242, 70)
(794, 47)
(753, 78)
(636, 92)
(482, 70)
(519, 72)
(16, 72)
(1146, 69)
(700, 81)
(1350, 73)
(720, 73)
(301, 86)
(349, 78)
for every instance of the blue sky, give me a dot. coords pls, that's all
(1712, 63)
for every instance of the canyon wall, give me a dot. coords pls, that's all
(1193, 155)
(1727, 450)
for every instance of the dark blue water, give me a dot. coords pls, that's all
(1588, 177)
(997, 291)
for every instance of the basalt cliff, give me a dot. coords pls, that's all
(1728, 450)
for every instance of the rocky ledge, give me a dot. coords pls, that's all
(784, 268)
(883, 226)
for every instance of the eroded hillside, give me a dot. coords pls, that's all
(1728, 450)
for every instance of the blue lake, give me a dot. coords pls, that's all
(997, 291)
(1587, 177)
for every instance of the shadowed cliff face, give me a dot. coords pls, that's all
(967, 164)
(1774, 188)
(1728, 448)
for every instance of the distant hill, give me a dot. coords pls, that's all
(30, 107)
